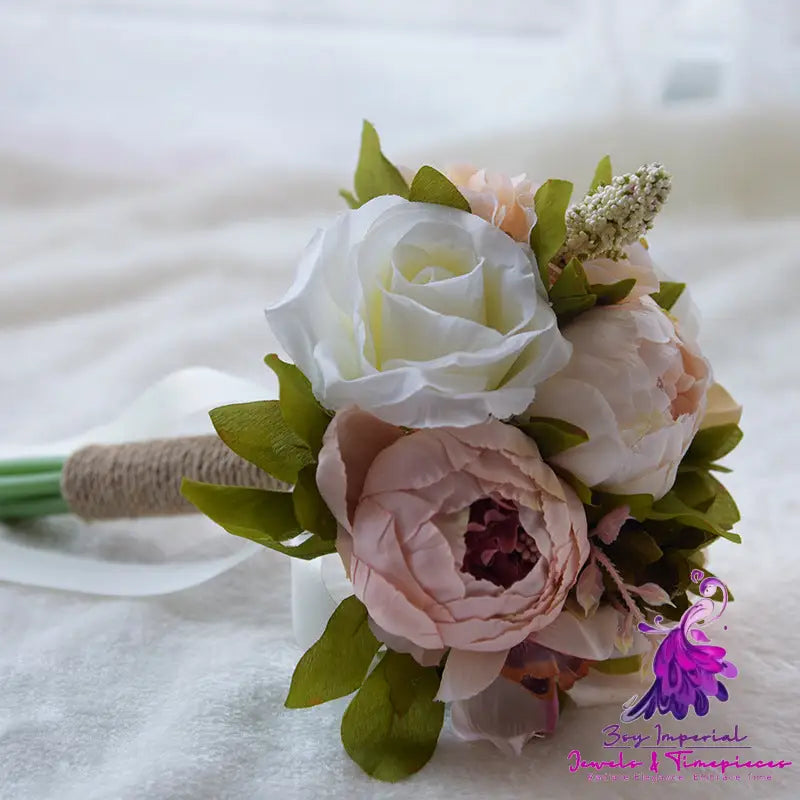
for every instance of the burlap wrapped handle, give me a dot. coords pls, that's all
(143, 479)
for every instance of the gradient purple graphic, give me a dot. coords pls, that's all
(686, 673)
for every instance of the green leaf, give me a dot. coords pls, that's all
(636, 547)
(553, 436)
(337, 663)
(349, 198)
(258, 433)
(639, 504)
(679, 537)
(668, 294)
(568, 308)
(618, 666)
(602, 175)
(710, 444)
(695, 488)
(581, 489)
(252, 513)
(548, 234)
(310, 509)
(430, 186)
(723, 510)
(301, 410)
(670, 506)
(570, 293)
(310, 548)
(572, 282)
(610, 293)
(391, 726)
(375, 174)
(256, 514)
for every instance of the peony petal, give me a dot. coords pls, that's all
(637, 388)
(637, 265)
(391, 609)
(591, 638)
(466, 673)
(350, 444)
(505, 713)
(600, 689)
(426, 658)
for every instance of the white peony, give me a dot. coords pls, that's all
(637, 264)
(637, 387)
(421, 314)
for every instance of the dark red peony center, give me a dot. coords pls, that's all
(498, 548)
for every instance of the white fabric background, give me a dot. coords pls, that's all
(134, 242)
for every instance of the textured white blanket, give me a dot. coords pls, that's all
(108, 282)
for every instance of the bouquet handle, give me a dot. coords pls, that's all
(143, 479)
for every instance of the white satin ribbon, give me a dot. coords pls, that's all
(175, 406)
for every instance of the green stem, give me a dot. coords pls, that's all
(20, 487)
(28, 466)
(34, 507)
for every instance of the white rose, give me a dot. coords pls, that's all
(421, 314)
(638, 389)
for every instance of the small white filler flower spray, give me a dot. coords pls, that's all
(615, 215)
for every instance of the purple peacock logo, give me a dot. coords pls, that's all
(687, 667)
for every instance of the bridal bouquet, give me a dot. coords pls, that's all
(499, 417)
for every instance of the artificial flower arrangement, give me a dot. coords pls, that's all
(499, 417)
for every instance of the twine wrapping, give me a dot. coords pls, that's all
(143, 479)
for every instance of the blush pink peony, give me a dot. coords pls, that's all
(637, 264)
(459, 538)
(638, 387)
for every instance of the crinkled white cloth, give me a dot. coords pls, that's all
(109, 282)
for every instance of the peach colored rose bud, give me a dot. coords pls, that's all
(503, 201)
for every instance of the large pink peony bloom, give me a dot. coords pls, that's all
(459, 538)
